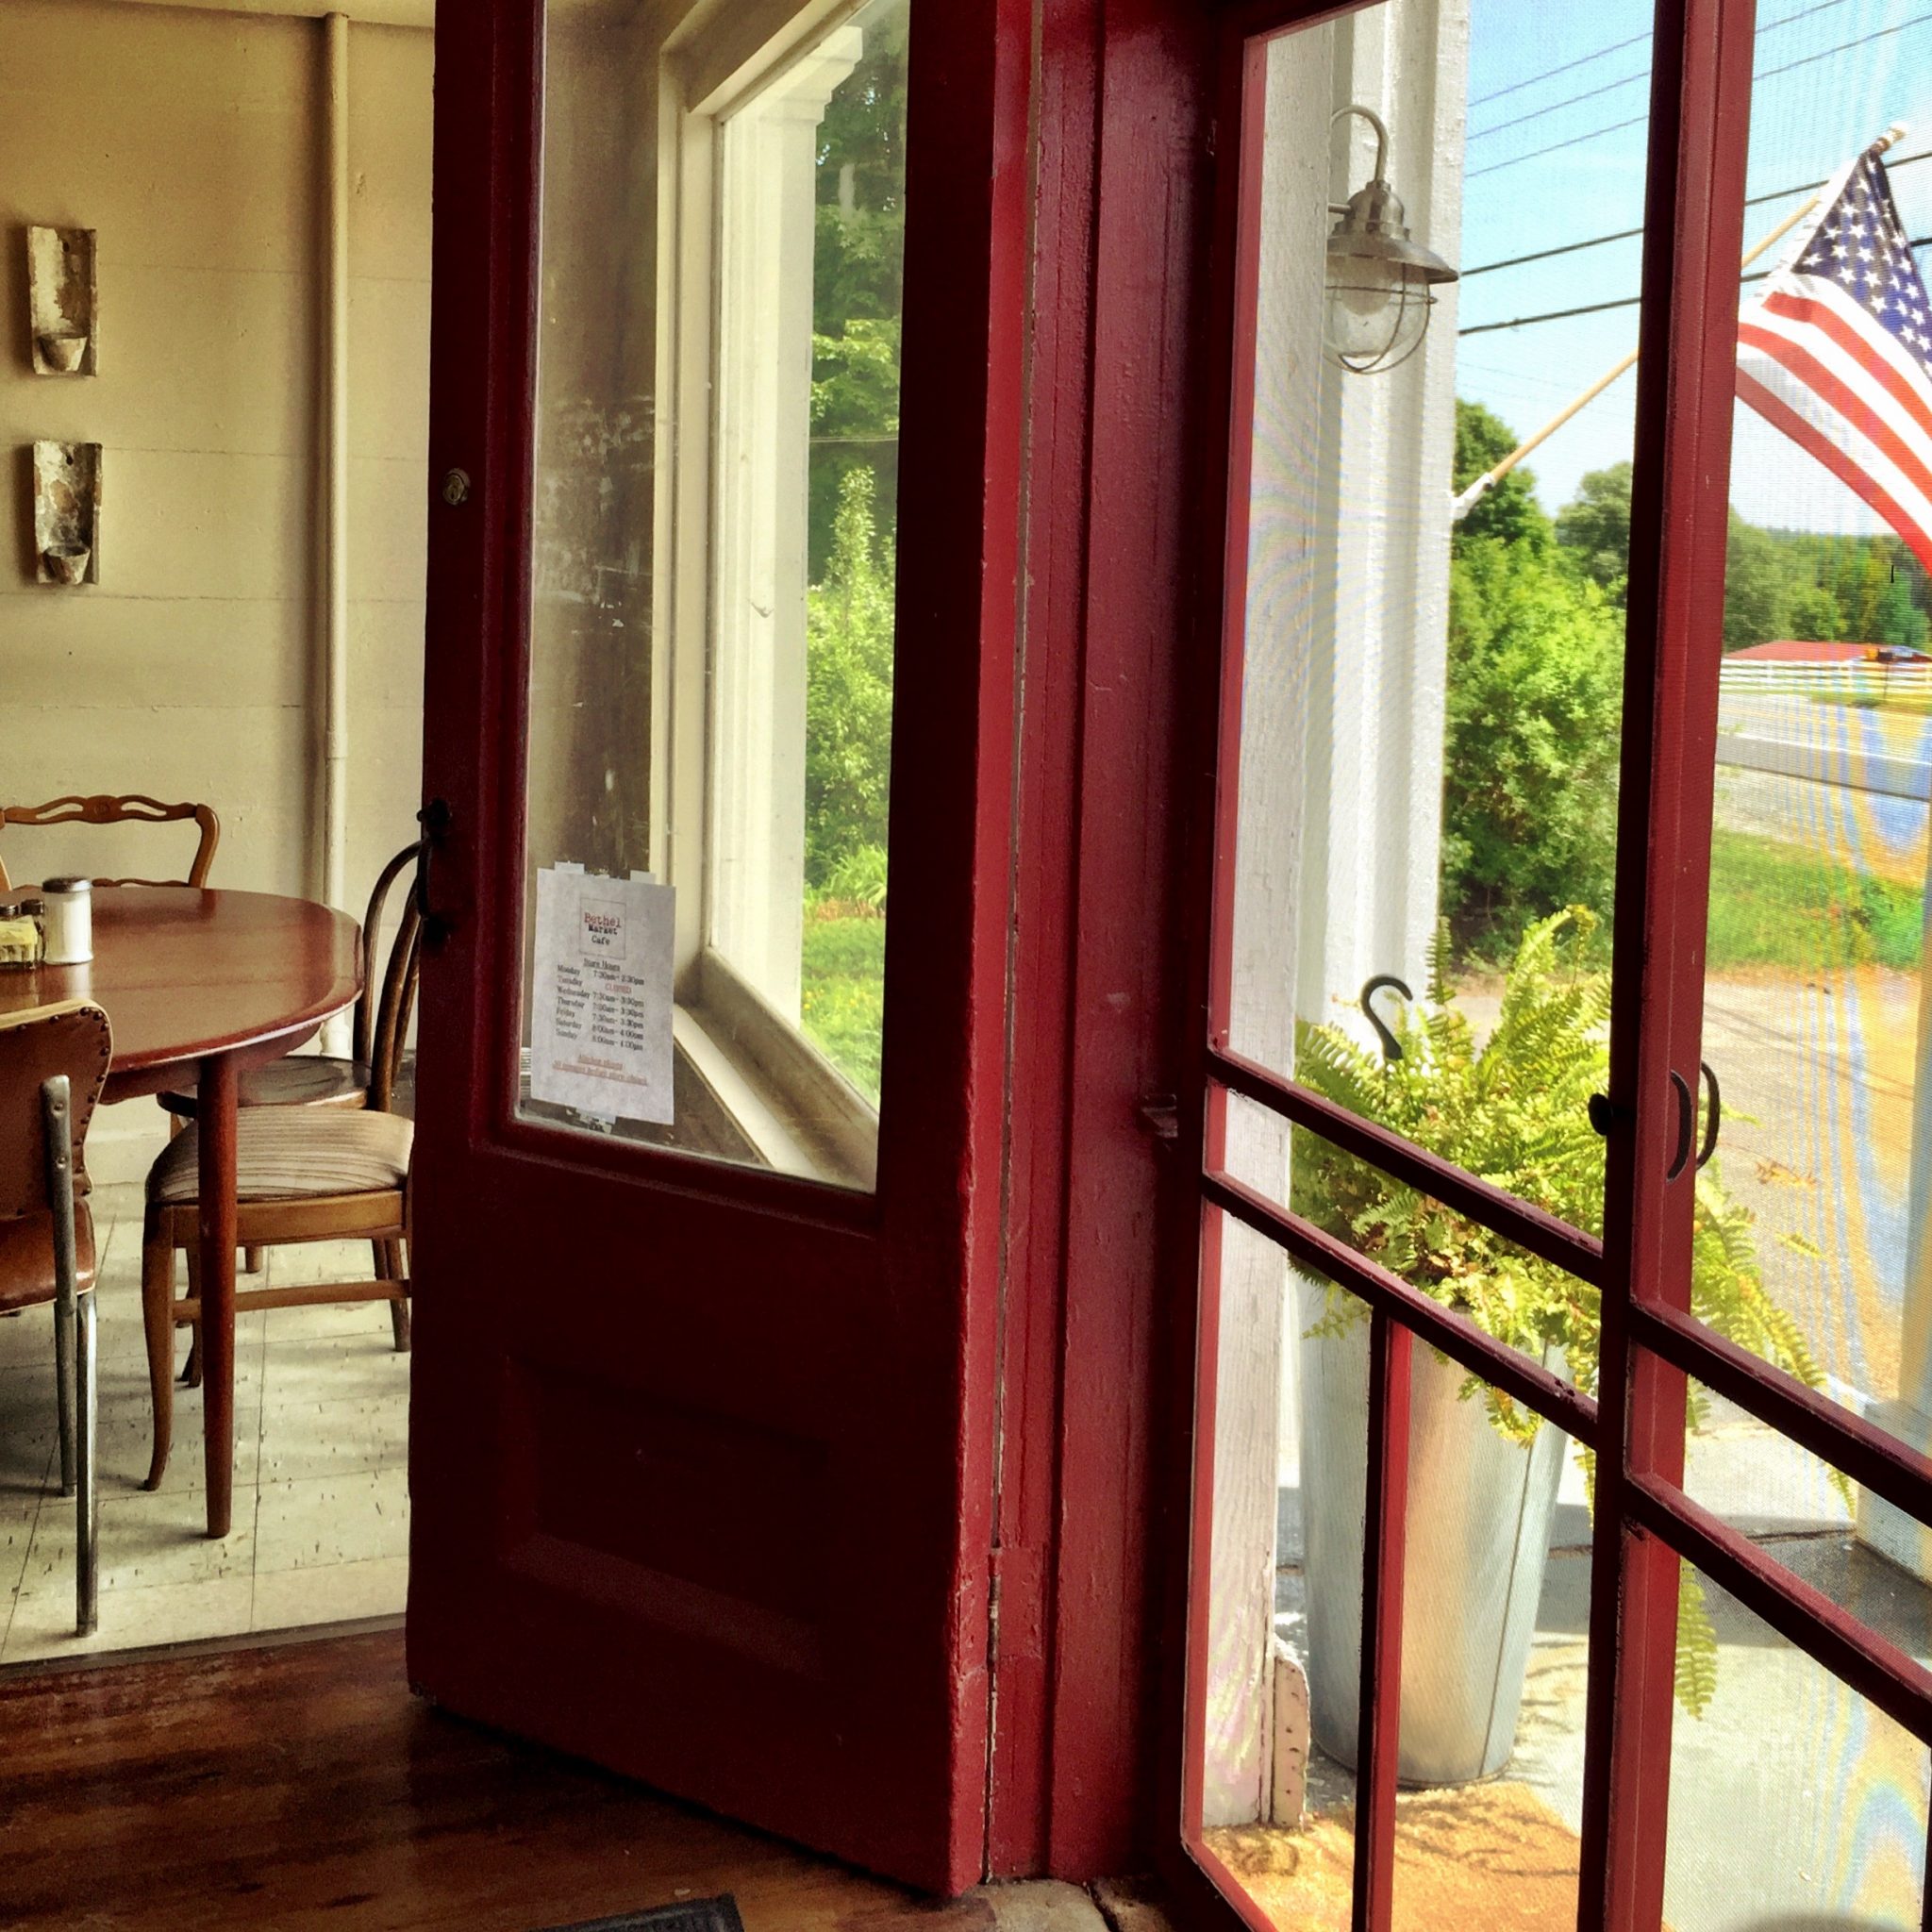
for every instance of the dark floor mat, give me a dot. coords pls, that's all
(699, 1915)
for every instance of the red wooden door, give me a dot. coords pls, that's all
(701, 1429)
(1668, 1346)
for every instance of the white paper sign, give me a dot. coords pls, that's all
(600, 1035)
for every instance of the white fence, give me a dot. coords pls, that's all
(1760, 675)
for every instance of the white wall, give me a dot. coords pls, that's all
(1341, 730)
(192, 143)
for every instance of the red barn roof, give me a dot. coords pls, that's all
(1790, 651)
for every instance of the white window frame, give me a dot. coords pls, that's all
(723, 503)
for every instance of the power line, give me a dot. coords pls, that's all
(1610, 87)
(1638, 120)
(1516, 87)
(1484, 329)
(1630, 234)
(1550, 73)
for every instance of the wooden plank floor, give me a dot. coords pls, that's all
(301, 1785)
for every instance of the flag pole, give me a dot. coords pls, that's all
(1467, 500)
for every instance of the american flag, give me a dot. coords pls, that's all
(1836, 352)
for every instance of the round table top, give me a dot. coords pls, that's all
(186, 975)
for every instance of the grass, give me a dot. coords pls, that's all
(1915, 703)
(1775, 905)
(844, 989)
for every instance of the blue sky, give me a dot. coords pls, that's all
(1806, 122)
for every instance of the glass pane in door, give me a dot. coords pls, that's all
(713, 584)
(1431, 621)
(1430, 631)
(1815, 1032)
(1795, 1801)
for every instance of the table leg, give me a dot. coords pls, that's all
(215, 1118)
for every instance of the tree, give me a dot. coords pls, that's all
(1757, 585)
(1529, 802)
(1510, 510)
(1594, 528)
(858, 274)
(848, 689)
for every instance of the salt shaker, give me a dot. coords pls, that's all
(69, 921)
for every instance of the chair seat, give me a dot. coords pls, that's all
(26, 1256)
(301, 1081)
(294, 1154)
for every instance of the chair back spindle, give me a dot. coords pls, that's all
(392, 1025)
(368, 1000)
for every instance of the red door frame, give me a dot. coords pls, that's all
(903, 1788)
(1645, 1520)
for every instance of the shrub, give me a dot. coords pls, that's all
(848, 694)
(1529, 800)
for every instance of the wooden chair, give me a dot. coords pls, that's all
(321, 1079)
(105, 810)
(302, 1173)
(53, 1063)
(324, 1079)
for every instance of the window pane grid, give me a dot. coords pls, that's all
(1540, 1233)
(1868, 1454)
(1878, 1670)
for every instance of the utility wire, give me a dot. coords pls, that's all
(1516, 121)
(1771, 26)
(1644, 39)
(1516, 87)
(1638, 120)
(1484, 329)
(1630, 234)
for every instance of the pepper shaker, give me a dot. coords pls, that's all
(70, 904)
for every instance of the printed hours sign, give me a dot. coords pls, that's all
(600, 1025)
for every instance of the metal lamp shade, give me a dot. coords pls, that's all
(1379, 284)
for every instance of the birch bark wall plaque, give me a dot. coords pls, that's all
(600, 1021)
(60, 296)
(67, 512)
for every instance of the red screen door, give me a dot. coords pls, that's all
(720, 392)
(1558, 1489)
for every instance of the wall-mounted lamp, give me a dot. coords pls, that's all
(1378, 279)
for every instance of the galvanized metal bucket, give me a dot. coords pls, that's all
(1479, 1539)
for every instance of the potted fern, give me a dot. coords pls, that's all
(1484, 1473)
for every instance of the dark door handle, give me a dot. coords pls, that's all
(435, 819)
(1714, 1120)
(1687, 1124)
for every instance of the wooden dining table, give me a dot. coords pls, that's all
(198, 986)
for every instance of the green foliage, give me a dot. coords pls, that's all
(1510, 511)
(1757, 587)
(1515, 1111)
(1530, 782)
(1594, 527)
(1696, 1666)
(843, 1000)
(848, 691)
(858, 274)
(1777, 583)
(858, 879)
